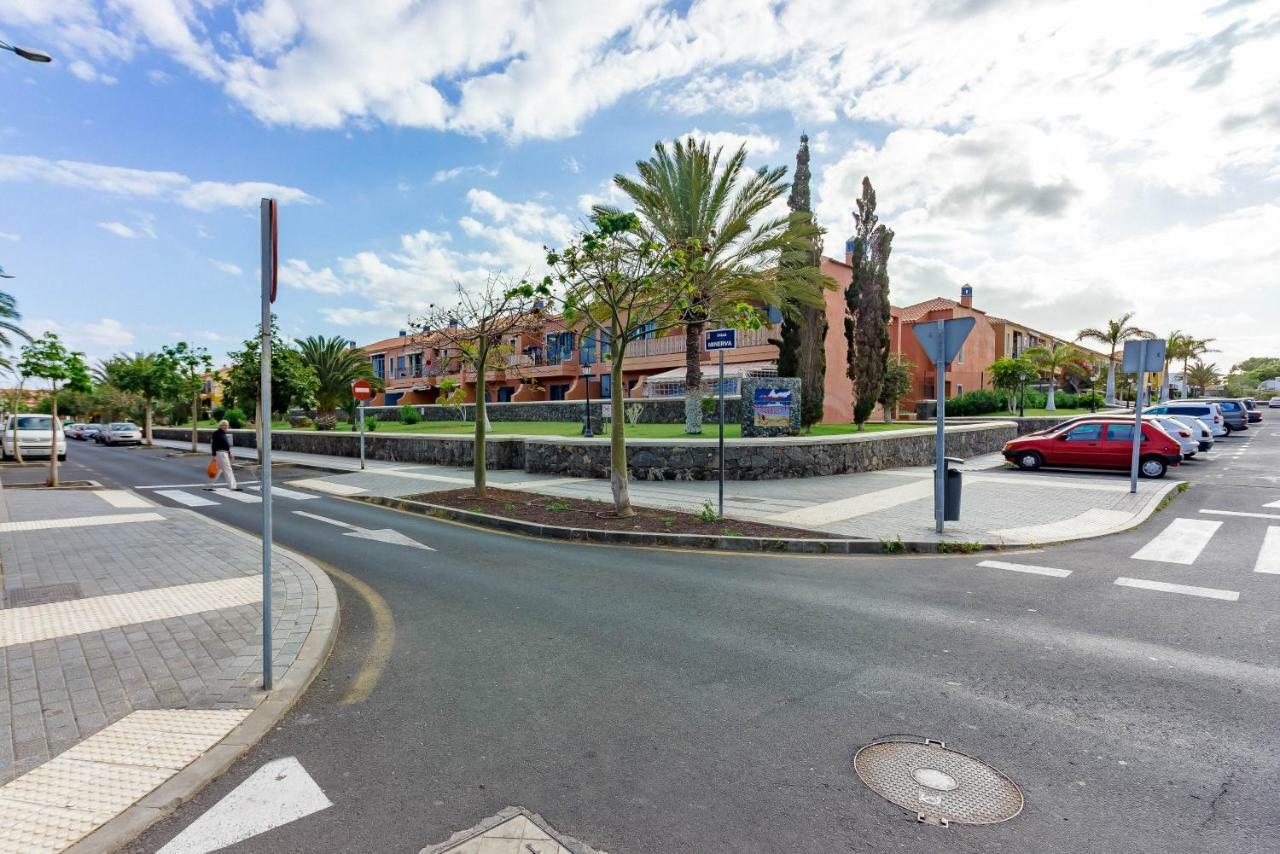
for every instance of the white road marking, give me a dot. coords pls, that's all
(186, 498)
(122, 498)
(242, 497)
(319, 485)
(1181, 542)
(1272, 504)
(281, 492)
(858, 505)
(1186, 589)
(96, 613)
(381, 535)
(276, 794)
(79, 522)
(1239, 513)
(1026, 567)
(190, 485)
(59, 802)
(1269, 554)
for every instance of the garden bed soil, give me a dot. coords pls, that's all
(556, 510)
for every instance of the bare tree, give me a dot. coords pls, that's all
(478, 325)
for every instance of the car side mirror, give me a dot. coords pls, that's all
(1062, 438)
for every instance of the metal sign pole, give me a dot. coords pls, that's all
(360, 415)
(939, 451)
(721, 352)
(268, 283)
(1137, 421)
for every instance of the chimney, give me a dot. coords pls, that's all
(848, 251)
(966, 296)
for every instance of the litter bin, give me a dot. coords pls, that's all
(951, 491)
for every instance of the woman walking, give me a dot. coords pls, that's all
(222, 453)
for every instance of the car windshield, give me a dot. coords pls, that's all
(34, 422)
(124, 425)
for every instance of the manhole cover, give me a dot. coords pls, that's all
(20, 597)
(939, 785)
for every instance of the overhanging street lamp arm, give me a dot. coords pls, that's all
(27, 53)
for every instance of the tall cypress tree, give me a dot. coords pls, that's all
(801, 350)
(867, 313)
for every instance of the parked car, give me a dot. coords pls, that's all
(1207, 411)
(1181, 431)
(1252, 411)
(1097, 443)
(1275, 403)
(121, 433)
(33, 436)
(1199, 430)
(89, 431)
(1234, 413)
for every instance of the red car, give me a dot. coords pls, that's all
(1096, 443)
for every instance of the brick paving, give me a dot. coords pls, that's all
(56, 692)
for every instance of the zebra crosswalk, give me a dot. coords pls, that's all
(205, 497)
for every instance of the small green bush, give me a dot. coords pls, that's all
(409, 415)
(218, 413)
(370, 423)
(980, 402)
(235, 418)
(708, 512)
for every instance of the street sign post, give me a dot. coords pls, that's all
(1141, 357)
(268, 215)
(361, 391)
(942, 340)
(721, 340)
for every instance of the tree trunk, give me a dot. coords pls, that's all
(618, 443)
(195, 422)
(693, 376)
(53, 437)
(1049, 404)
(482, 426)
(326, 419)
(1111, 378)
(17, 403)
(146, 421)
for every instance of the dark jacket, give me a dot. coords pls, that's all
(221, 441)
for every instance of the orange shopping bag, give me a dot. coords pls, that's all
(212, 470)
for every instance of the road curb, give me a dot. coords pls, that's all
(704, 542)
(184, 785)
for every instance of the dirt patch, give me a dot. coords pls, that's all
(583, 513)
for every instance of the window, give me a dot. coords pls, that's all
(1085, 433)
(504, 393)
(400, 374)
(606, 385)
(558, 391)
(415, 364)
(960, 357)
(380, 366)
(775, 314)
(1121, 433)
(960, 389)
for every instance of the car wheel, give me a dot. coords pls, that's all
(62, 458)
(1153, 467)
(1030, 460)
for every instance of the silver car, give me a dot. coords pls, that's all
(122, 433)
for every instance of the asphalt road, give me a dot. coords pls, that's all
(646, 700)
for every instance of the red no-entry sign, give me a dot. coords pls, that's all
(361, 390)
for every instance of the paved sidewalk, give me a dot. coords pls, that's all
(1000, 505)
(130, 644)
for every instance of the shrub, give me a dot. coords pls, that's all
(218, 413)
(235, 418)
(409, 415)
(1036, 399)
(370, 423)
(980, 402)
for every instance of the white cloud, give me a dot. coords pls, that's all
(571, 163)
(757, 144)
(296, 273)
(143, 183)
(89, 74)
(443, 175)
(143, 227)
(97, 339)
(10, 236)
(227, 267)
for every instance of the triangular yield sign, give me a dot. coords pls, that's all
(277, 793)
(387, 535)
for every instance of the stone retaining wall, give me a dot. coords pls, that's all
(648, 459)
(664, 410)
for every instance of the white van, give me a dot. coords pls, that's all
(33, 436)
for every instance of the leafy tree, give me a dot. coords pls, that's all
(1246, 377)
(152, 376)
(895, 385)
(687, 198)
(1115, 333)
(336, 365)
(292, 381)
(47, 358)
(478, 325)
(1008, 375)
(867, 312)
(1059, 359)
(1202, 377)
(190, 364)
(801, 346)
(618, 283)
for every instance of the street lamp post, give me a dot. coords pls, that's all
(1022, 394)
(585, 358)
(27, 53)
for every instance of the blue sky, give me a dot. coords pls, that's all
(1068, 170)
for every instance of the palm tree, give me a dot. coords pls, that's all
(337, 365)
(1174, 347)
(8, 320)
(1061, 358)
(1202, 376)
(708, 211)
(1115, 333)
(1192, 348)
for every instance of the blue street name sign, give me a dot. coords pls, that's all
(721, 339)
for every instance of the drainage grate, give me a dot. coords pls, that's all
(936, 783)
(21, 597)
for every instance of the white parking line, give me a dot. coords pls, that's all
(281, 492)
(1269, 554)
(238, 496)
(1239, 513)
(1026, 567)
(1181, 542)
(186, 498)
(1185, 589)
